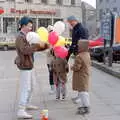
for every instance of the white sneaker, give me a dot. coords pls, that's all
(22, 114)
(31, 107)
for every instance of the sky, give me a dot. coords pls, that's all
(91, 2)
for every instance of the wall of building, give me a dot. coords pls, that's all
(42, 13)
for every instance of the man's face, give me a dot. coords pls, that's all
(71, 23)
(28, 27)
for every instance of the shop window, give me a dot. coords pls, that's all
(60, 2)
(72, 2)
(29, 1)
(34, 24)
(44, 22)
(44, 1)
(9, 25)
(55, 20)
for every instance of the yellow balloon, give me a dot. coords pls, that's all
(61, 41)
(43, 33)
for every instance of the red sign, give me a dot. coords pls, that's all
(13, 10)
(42, 12)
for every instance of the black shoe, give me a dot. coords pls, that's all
(57, 98)
(87, 110)
(83, 110)
(63, 97)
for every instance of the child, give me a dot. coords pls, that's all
(50, 58)
(60, 70)
(81, 76)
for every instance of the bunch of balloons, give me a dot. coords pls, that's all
(54, 38)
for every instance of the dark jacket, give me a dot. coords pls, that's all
(79, 32)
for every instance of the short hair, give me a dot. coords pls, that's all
(70, 18)
(24, 21)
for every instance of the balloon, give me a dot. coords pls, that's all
(59, 27)
(61, 41)
(32, 37)
(60, 51)
(43, 33)
(53, 38)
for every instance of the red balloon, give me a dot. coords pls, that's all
(53, 38)
(1, 11)
(61, 51)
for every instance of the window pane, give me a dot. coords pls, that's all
(44, 22)
(28, 1)
(9, 25)
(72, 2)
(44, 1)
(59, 2)
(115, 9)
(101, 1)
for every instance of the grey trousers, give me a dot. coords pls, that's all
(60, 88)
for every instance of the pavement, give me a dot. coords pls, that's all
(104, 93)
(114, 70)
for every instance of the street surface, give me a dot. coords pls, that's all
(104, 93)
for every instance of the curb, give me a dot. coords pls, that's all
(106, 69)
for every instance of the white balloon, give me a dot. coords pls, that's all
(59, 27)
(33, 37)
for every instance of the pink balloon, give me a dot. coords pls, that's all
(61, 51)
(53, 38)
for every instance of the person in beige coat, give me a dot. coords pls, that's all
(81, 76)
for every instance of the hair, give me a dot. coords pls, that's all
(24, 21)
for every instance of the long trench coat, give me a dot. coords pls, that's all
(81, 72)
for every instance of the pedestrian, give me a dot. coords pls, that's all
(60, 70)
(24, 62)
(50, 58)
(78, 32)
(81, 76)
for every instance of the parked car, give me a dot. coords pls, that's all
(7, 42)
(97, 53)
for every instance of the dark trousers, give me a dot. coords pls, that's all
(51, 82)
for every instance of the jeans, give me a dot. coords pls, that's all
(25, 86)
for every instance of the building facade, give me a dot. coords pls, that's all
(104, 6)
(89, 17)
(43, 12)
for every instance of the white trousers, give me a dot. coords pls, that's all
(84, 99)
(27, 79)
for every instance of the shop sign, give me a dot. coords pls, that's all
(25, 11)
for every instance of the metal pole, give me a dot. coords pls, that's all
(110, 54)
